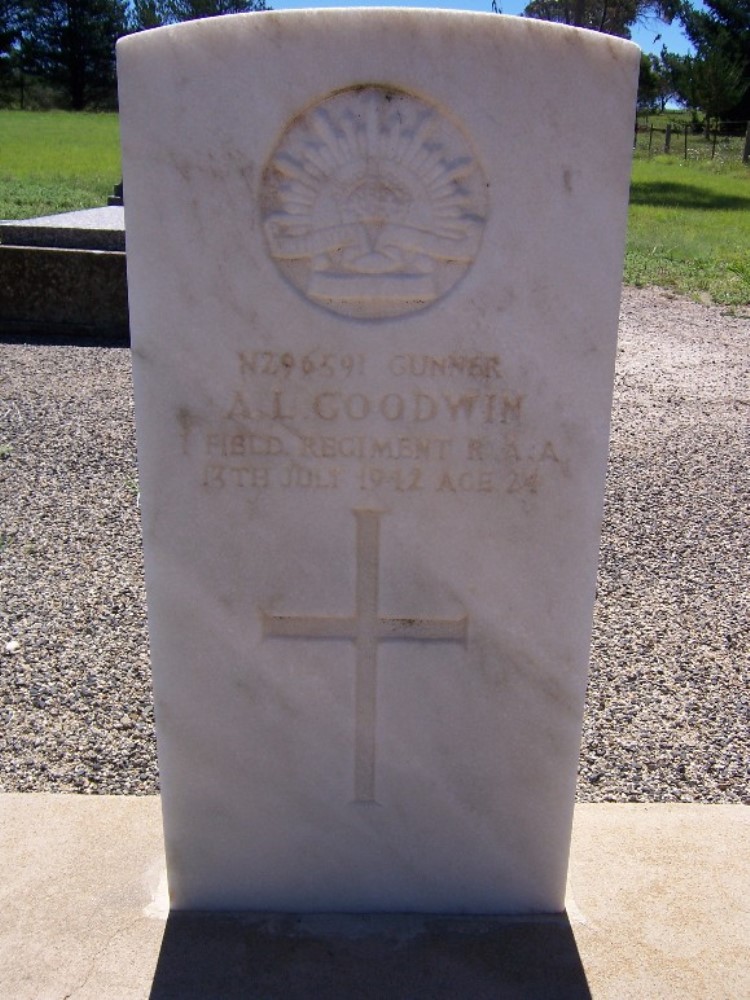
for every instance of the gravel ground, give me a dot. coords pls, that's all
(667, 709)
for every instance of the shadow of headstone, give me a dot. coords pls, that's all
(398, 957)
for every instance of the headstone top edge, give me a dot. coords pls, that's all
(323, 15)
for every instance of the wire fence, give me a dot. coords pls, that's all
(729, 142)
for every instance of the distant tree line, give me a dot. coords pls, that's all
(714, 81)
(613, 17)
(61, 53)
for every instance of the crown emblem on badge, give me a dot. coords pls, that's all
(374, 203)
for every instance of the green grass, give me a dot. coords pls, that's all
(689, 227)
(56, 161)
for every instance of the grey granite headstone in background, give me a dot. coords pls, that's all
(64, 275)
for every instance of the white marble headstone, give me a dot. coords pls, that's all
(374, 264)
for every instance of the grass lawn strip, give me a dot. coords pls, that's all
(56, 161)
(688, 230)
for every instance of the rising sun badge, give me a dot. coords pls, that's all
(373, 203)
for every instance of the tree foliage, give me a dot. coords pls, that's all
(721, 36)
(153, 13)
(657, 83)
(191, 10)
(712, 83)
(71, 44)
(613, 17)
(9, 26)
(9, 35)
(10, 32)
(65, 49)
(146, 14)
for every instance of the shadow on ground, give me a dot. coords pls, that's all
(40, 335)
(381, 957)
(664, 194)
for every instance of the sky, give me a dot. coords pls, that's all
(643, 35)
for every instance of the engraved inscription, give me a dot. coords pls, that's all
(312, 421)
(373, 203)
(366, 628)
(415, 407)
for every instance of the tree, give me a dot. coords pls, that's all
(10, 32)
(655, 86)
(720, 83)
(71, 43)
(613, 17)
(722, 29)
(673, 68)
(9, 35)
(154, 13)
(648, 87)
(191, 10)
(662, 81)
(712, 83)
(146, 14)
(9, 27)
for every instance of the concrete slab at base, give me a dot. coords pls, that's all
(657, 908)
(88, 229)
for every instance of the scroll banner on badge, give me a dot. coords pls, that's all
(460, 246)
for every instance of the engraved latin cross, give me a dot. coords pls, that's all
(366, 628)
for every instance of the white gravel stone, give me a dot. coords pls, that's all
(667, 709)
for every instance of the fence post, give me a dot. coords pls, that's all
(746, 151)
(713, 146)
(667, 137)
(686, 135)
(650, 138)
